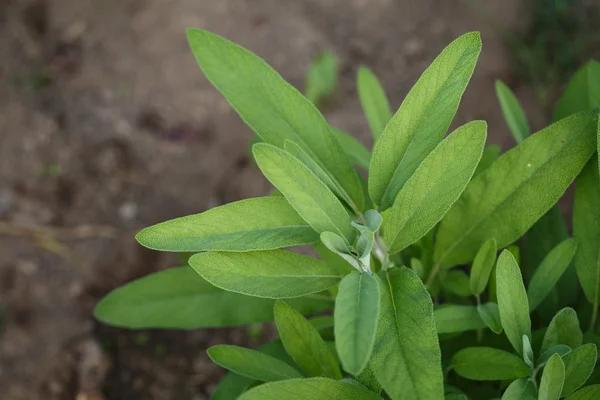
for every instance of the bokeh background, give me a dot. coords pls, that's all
(107, 126)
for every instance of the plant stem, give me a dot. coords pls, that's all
(433, 273)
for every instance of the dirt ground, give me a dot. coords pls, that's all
(107, 126)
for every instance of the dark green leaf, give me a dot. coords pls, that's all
(583, 92)
(489, 156)
(487, 363)
(457, 282)
(591, 392)
(231, 386)
(482, 266)
(579, 365)
(559, 349)
(454, 318)
(490, 314)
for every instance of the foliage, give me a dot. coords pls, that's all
(423, 306)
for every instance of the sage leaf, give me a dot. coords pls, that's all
(457, 282)
(582, 93)
(482, 266)
(273, 108)
(553, 379)
(563, 329)
(179, 298)
(489, 156)
(435, 185)
(519, 389)
(304, 190)
(586, 228)
(527, 352)
(322, 77)
(357, 152)
(455, 318)
(512, 301)
(559, 349)
(490, 314)
(513, 112)
(407, 358)
(487, 363)
(505, 200)
(275, 274)
(356, 314)
(591, 392)
(374, 102)
(422, 119)
(579, 365)
(546, 276)
(310, 388)
(251, 363)
(304, 344)
(262, 223)
(231, 386)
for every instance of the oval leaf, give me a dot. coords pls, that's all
(273, 108)
(455, 318)
(490, 314)
(274, 274)
(591, 392)
(435, 185)
(488, 364)
(482, 266)
(553, 379)
(546, 276)
(407, 358)
(178, 298)
(355, 150)
(513, 113)
(304, 190)
(582, 93)
(422, 119)
(504, 201)
(512, 300)
(563, 329)
(374, 102)
(579, 365)
(263, 223)
(356, 313)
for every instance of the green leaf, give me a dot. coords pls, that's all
(355, 150)
(586, 228)
(546, 276)
(304, 344)
(435, 185)
(251, 363)
(527, 351)
(274, 274)
(407, 358)
(489, 156)
(505, 200)
(591, 392)
(273, 108)
(231, 386)
(304, 190)
(513, 113)
(322, 77)
(261, 223)
(356, 313)
(563, 329)
(374, 102)
(583, 92)
(512, 300)
(520, 389)
(457, 282)
(560, 349)
(488, 364)
(482, 266)
(311, 388)
(368, 379)
(422, 119)
(178, 298)
(454, 318)
(490, 314)
(579, 365)
(553, 379)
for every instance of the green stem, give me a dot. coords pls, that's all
(433, 273)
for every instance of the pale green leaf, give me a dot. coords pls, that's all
(505, 200)
(435, 185)
(322, 77)
(273, 108)
(368, 379)
(489, 156)
(546, 276)
(355, 150)
(356, 313)
(591, 392)
(553, 379)
(422, 120)
(454, 318)
(304, 190)
(407, 358)
(527, 351)
(457, 282)
(579, 365)
(513, 112)
(517, 389)
(482, 266)
(311, 388)
(275, 274)
(374, 101)
(583, 92)
(487, 363)
(512, 300)
(563, 329)
(304, 344)
(178, 298)
(261, 223)
(490, 314)
(251, 363)
(586, 228)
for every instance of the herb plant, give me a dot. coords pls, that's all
(422, 305)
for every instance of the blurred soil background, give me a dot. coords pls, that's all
(107, 125)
